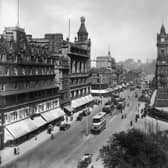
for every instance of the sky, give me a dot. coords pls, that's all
(127, 27)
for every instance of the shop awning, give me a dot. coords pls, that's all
(53, 114)
(81, 101)
(90, 98)
(100, 91)
(39, 121)
(116, 88)
(110, 90)
(68, 108)
(21, 128)
(7, 136)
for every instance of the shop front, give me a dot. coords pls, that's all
(23, 130)
(54, 116)
(82, 102)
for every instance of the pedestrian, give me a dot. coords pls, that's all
(122, 116)
(92, 166)
(131, 123)
(125, 115)
(52, 136)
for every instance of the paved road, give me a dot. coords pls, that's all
(68, 147)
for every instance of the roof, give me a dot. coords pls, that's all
(162, 30)
(82, 28)
(100, 70)
(99, 115)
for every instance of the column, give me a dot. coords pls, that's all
(78, 67)
(82, 67)
(73, 66)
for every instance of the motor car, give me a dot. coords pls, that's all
(143, 98)
(97, 101)
(79, 117)
(115, 95)
(121, 105)
(86, 112)
(108, 108)
(64, 126)
(85, 161)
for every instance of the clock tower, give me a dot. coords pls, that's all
(162, 59)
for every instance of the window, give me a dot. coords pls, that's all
(162, 51)
(40, 108)
(48, 105)
(55, 103)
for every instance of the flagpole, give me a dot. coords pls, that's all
(69, 29)
(18, 13)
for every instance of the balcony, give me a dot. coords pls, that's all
(79, 85)
(25, 75)
(75, 75)
(24, 62)
(20, 91)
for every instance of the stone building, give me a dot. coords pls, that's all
(102, 78)
(161, 73)
(55, 41)
(28, 90)
(105, 61)
(79, 54)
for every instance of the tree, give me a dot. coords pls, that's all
(134, 149)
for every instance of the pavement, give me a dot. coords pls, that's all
(66, 149)
(8, 156)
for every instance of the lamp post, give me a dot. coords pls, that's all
(87, 124)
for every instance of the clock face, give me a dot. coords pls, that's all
(162, 39)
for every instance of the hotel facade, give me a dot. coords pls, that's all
(42, 80)
(28, 87)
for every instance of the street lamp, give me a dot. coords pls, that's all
(87, 124)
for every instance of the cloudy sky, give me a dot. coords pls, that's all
(128, 27)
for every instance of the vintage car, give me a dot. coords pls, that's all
(108, 108)
(79, 117)
(86, 112)
(85, 161)
(64, 126)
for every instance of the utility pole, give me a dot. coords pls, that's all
(69, 29)
(87, 125)
(18, 13)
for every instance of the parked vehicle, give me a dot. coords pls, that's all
(86, 112)
(121, 105)
(79, 117)
(98, 122)
(64, 126)
(97, 101)
(108, 108)
(85, 161)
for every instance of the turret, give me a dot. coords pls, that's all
(162, 30)
(82, 33)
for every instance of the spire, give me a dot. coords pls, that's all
(109, 52)
(162, 30)
(82, 33)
